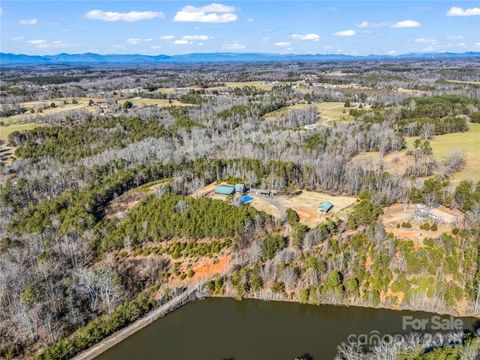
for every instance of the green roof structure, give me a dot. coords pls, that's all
(325, 206)
(225, 189)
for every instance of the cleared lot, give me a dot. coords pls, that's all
(328, 111)
(396, 215)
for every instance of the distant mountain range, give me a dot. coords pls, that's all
(126, 59)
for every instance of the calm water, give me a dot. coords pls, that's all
(216, 329)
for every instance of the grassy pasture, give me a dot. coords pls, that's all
(7, 130)
(468, 142)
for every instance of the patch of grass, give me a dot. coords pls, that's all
(464, 82)
(468, 142)
(7, 130)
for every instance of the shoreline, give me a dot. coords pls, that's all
(119, 336)
(191, 295)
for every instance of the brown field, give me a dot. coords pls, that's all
(395, 163)
(399, 213)
(328, 111)
(307, 202)
(262, 204)
(157, 102)
(128, 200)
(44, 106)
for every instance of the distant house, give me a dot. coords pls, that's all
(325, 207)
(225, 190)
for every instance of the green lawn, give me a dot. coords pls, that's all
(468, 142)
(7, 130)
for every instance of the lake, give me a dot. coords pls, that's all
(218, 329)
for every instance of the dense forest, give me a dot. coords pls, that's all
(104, 212)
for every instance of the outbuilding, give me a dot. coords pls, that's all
(225, 189)
(325, 207)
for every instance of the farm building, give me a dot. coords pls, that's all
(225, 190)
(240, 188)
(245, 199)
(325, 207)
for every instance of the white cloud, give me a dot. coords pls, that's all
(17, 38)
(477, 45)
(345, 33)
(458, 11)
(234, 46)
(430, 48)
(167, 37)
(156, 47)
(406, 24)
(367, 24)
(41, 43)
(1, 11)
(391, 52)
(265, 38)
(282, 43)
(134, 41)
(148, 39)
(195, 37)
(250, 20)
(213, 13)
(455, 37)
(191, 40)
(432, 41)
(28, 22)
(306, 37)
(130, 16)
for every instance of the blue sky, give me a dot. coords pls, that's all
(178, 27)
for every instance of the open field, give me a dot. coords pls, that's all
(7, 130)
(156, 102)
(468, 142)
(464, 82)
(305, 204)
(396, 163)
(122, 204)
(402, 213)
(328, 111)
(45, 107)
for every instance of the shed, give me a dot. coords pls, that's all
(225, 189)
(325, 207)
(245, 199)
(240, 188)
